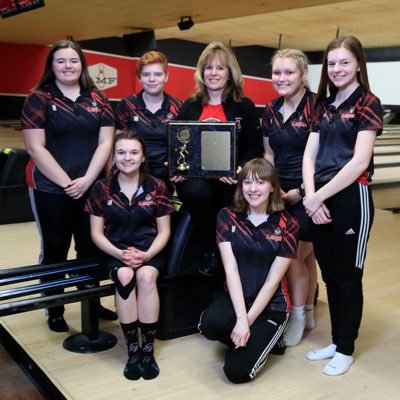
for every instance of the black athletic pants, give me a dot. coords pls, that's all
(243, 364)
(340, 249)
(59, 218)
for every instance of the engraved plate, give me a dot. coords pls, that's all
(215, 150)
(202, 149)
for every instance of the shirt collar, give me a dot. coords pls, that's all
(141, 105)
(148, 185)
(352, 99)
(55, 91)
(277, 104)
(274, 217)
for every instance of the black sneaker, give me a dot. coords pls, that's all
(57, 324)
(279, 348)
(210, 264)
(105, 313)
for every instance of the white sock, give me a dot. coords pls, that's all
(295, 327)
(309, 313)
(322, 353)
(339, 365)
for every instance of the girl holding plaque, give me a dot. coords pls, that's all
(218, 98)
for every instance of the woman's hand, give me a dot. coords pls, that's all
(228, 180)
(231, 181)
(78, 187)
(177, 179)
(241, 332)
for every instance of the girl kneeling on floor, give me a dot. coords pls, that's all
(257, 240)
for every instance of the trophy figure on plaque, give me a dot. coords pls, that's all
(184, 137)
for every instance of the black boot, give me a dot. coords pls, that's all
(56, 319)
(106, 314)
(210, 263)
(57, 323)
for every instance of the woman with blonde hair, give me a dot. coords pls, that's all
(218, 98)
(286, 124)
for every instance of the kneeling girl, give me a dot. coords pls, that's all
(257, 240)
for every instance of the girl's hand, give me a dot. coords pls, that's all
(312, 203)
(133, 257)
(291, 197)
(241, 332)
(77, 188)
(322, 216)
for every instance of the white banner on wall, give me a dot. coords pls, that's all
(384, 79)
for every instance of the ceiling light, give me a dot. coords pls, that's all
(186, 23)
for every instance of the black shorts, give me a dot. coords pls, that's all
(298, 211)
(108, 263)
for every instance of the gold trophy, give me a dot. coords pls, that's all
(184, 137)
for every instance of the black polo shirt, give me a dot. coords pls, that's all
(288, 139)
(255, 249)
(130, 223)
(338, 129)
(71, 129)
(131, 113)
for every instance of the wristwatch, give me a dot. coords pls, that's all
(301, 191)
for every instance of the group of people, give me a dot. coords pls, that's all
(302, 188)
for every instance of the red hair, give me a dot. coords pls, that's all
(152, 57)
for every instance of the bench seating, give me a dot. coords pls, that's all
(184, 292)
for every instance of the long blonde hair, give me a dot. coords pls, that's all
(297, 55)
(234, 86)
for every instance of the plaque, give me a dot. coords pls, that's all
(202, 149)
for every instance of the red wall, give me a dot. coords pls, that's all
(22, 66)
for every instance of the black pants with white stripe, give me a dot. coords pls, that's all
(340, 249)
(243, 364)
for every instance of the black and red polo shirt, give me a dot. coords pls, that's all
(131, 113)
(338, 129)
(71, 130)
(288, 139)
(255, 249)
(130, 223)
